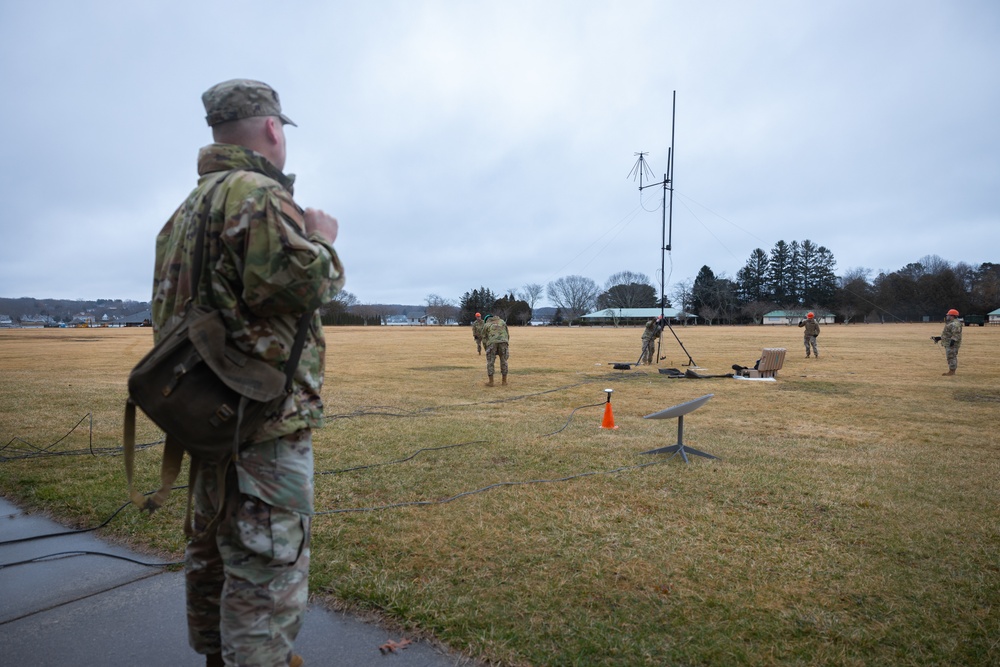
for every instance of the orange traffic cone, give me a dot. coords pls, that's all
(609, 417)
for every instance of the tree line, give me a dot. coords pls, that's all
(796, 275)
(801, 276)
(793, 275)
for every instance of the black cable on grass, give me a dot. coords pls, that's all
(383, 410)
(403, 460)
(595, 405)
(460, 444)
(38, 452)
(44, 451)
(417, 503)
(376, 411)
(360, 412)
(82, 530)
(66, 554)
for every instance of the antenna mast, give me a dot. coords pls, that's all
(640, 168)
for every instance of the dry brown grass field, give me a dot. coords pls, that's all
(850, 519)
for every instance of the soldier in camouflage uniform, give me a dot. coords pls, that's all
(649, 334)
(267, 262)
(496, 338)
(809, 335)
(951, 339)
(477, 332)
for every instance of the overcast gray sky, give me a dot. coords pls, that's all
(464, 144)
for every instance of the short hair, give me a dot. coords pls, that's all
(241, 132)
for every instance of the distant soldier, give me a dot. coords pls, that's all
(809, 335)
(495, 338)
(951, 339)
(477, 333)
(650, 334)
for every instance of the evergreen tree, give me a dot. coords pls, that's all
(985, 294)
(780, 273)
(818, 282)
(795, 274)
(512, 310)
(752, 279)
(704, 287)
(479, 300)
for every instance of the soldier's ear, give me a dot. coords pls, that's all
(272, 128)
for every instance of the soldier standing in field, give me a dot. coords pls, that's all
(267, 262)
(951, 339)
(809, 335)
(477, 332)
(649, 334)
(496, 338)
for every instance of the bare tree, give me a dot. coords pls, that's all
(440, 308)
(756, 310)
(378, 310)
(575, 295)
(934, 264)
(339, 304)
(345, 299)
(683, 293)
(855, 294)
(531, 293)
(628, 290)
(708, 313)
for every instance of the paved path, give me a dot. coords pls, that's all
(95, 610)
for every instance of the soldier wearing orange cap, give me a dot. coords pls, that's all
(951, 339)
(809, 336)
(477, 332)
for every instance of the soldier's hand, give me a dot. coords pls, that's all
(318, 222)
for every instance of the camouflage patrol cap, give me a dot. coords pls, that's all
(241, 98)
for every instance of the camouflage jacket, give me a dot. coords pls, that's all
(477, 329)
(812, 327)
(260, 270)
(650, 332)
(952, 332)
(495, 331)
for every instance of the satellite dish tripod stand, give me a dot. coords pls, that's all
(679, 411)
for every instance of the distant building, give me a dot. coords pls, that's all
(140, 319)
(634, 315)
(37, 321)
(796, 316)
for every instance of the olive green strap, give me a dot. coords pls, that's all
(170, 468)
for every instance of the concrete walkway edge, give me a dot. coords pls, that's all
(98, 610)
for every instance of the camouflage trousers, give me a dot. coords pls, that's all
(247, 579)
(951, 354)
(493, 351)
(479, 345)
(648, 351)
(810, 341)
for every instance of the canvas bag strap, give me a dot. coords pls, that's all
(172, 452)
(199, 246)
(170, 467)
